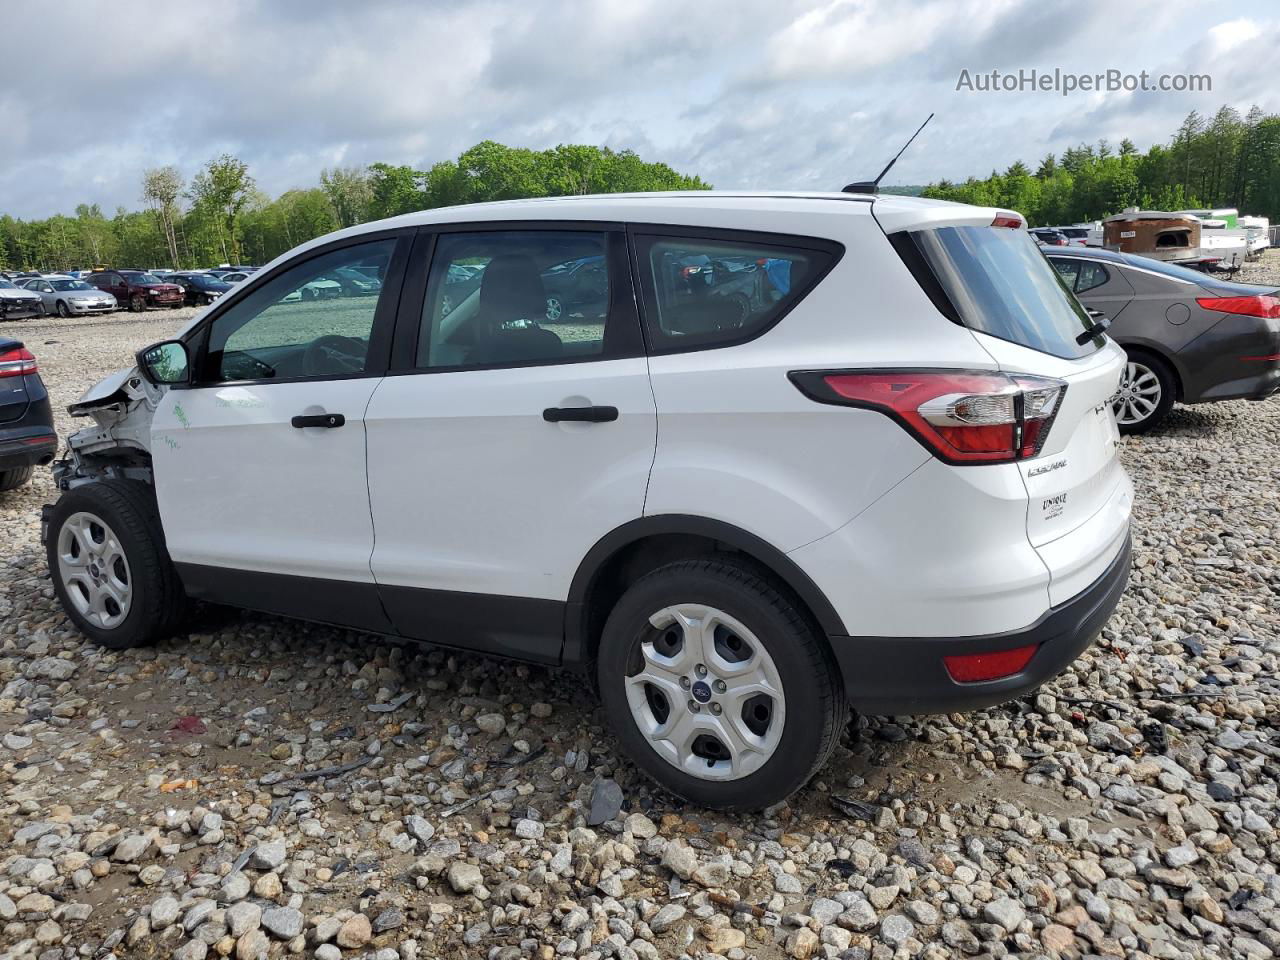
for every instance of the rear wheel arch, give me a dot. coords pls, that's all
(629, 552)
(1142, 348)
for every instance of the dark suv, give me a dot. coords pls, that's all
(27, 438)
(138, 289)
(199, 289)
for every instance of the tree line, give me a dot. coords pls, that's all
(221, 216)
(1226, 161)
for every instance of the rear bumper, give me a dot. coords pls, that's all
(27, 446)
(906, 675)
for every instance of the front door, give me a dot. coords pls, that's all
(260, 464)
(517, 433)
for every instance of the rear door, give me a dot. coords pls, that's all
(512, 434)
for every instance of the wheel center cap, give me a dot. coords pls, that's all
(701, 691)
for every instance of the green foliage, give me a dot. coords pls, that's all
(1223, 162)
(229, 220)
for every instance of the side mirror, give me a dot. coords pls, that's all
(165, 363)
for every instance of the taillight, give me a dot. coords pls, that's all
(962, 417)
(976, 667)
(17, 363)
(1265, 306)
(1007, 220)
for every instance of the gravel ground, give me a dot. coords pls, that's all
(263, 788)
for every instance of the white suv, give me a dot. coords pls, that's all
(749, 460)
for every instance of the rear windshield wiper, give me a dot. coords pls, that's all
(1098, 324)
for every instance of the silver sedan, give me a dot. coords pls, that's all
(67, 296)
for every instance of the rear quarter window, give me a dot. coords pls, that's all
(705, 290)
(996, 281)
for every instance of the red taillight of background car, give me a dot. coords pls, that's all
(1265, 306)
(17, 363)
(962, 417)
(977, 667)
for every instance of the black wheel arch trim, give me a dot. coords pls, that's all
(577, 643)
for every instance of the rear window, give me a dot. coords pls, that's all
(996, 280)
(704, 291)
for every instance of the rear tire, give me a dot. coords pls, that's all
(121, 520)
(1146, 393)
(757, 639)
(13, 479)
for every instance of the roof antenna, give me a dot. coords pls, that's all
(873, 186)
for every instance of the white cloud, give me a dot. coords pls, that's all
(746, 93)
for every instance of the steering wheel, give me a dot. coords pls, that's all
(333, 353)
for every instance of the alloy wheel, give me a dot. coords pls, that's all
(705, 693)
(1139, 394)
(94, 570)
(555, 309)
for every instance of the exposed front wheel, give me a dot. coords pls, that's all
(555, 309)
(62, 309)
(137, 303)
(717, 685)
(109, 565)
(1146, 394)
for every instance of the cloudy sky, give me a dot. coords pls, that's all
(747, 93)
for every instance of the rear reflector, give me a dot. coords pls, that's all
(976, 667)
(1265, 306)
(962, 417)
(17, 363)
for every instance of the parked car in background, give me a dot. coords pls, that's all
(17, 303)
(355, 283)
(1190, 337)
(1049, 237)
(199, 289)
(67, 296)
(232, 276)
(1076, 236)
(27, 437)
(138, 289)
(575, 286)
(893, 486)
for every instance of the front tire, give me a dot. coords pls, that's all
(63, 312)
(717, 685)
(137, 303)
(1146, 393)
(110, 568)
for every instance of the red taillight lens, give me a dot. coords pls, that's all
(976, 667)
(962, 417)
(1007, 220)
(1265, 306)
(17, 363)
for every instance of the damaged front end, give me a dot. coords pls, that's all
(118, 443)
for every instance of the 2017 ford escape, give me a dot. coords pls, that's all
(886, 479)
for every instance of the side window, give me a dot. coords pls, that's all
(1091, 275)
(712, 292)
(1069, 270)
(309, 321)
(505, 298)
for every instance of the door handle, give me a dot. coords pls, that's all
(327, 420)
(580, 414)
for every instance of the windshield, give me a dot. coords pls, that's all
(142, 278)
(69, 285)
(996, 280)
(7, 284)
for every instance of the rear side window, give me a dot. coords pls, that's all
(707, 291)
(995, 280)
